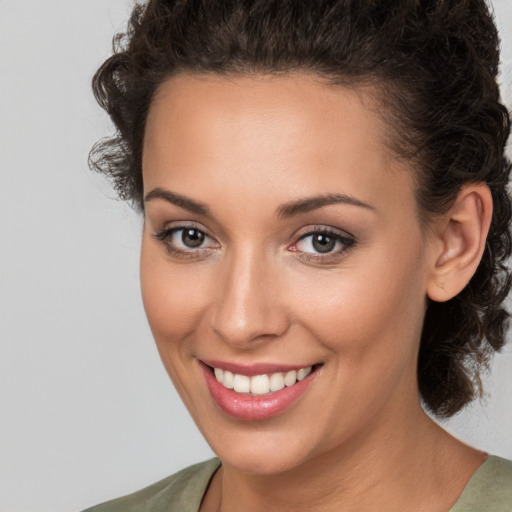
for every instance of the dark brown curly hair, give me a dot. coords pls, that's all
(435, 65)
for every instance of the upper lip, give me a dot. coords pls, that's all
(253, 369)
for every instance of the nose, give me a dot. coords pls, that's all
(247, 309)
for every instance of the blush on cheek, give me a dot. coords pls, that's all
(174, 301)
(167, 309)
(362, 315)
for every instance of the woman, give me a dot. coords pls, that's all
(326, 223)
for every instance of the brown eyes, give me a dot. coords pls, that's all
(321, 243)
(192, 237)
(186, 240)
(189, 241)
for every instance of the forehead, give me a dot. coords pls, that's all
(288, 135)
(273, 103)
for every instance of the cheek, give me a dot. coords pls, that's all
(173, 296)
(377, 306)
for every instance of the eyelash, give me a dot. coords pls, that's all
(347, 243)
(165, 236)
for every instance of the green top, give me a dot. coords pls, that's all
(489, 490)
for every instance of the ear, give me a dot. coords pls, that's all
(460, 242)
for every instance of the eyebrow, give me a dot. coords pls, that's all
(312, 203)
(178, 200)
(286, 210)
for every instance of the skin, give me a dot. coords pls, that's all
(255, 292)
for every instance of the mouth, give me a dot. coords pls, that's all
(257, 392)
(262, 384)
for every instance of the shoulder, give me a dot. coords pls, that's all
(181, 492)
(490, 488)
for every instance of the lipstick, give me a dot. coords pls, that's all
(250, 407)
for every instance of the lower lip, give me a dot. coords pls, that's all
(257, 407)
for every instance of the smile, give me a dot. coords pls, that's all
(260, 384)
(264, 393)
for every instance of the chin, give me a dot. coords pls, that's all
(260, 452)
(261, 463)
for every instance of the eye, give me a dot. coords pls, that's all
(186, 240)
(323, 243)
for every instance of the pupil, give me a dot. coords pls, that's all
(192, 237)
(323, 243)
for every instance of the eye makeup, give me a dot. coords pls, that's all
(322, 244)
(186, 241)
(318, 244)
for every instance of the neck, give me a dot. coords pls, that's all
(419, 463)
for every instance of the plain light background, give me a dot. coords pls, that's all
(87, 412)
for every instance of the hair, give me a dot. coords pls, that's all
(434, 65)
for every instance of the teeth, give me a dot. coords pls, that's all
(290, 378)
(227, 380)
(260, 384)
(241, 383)
(303, 373)
(276, 382)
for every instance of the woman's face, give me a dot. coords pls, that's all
(281, 234)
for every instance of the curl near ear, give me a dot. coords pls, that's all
(459, 239)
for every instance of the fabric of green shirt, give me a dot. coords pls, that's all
(489, 490)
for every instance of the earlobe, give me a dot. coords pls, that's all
(461, 235)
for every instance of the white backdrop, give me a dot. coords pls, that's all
(86, 410)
